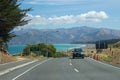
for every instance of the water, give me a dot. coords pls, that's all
(14, 49)
(67, 46)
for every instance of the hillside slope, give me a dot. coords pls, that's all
(5, 58)
(77, 34)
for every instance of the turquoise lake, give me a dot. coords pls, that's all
(14, 49)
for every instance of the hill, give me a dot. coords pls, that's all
(116, 45)
(70, 35)
(5, 58)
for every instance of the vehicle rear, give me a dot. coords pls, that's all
(77, 53)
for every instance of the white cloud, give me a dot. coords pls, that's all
(91, 16)
(36, 20)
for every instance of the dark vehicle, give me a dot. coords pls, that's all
(78, 53)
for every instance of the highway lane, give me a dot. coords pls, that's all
(95, 70)
(12, 64)
(65, 69)
(12, 74)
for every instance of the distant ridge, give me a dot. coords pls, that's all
(67, 35)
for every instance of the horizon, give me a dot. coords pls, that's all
(19, 29)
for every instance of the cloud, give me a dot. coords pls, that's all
(92, 16)
(36, 20)
(89, 17)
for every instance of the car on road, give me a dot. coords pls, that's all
(77, 53)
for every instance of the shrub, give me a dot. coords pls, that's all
(107, 58)
(59, 54)
(39, 49)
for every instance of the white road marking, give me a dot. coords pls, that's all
(105, 64)
(76, 70)
(70, 64)
(14, 68)
(10, 63)
(30, 69)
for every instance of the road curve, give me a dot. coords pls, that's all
(65, 69)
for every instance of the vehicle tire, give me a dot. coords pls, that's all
(83, 57)
(73, 57)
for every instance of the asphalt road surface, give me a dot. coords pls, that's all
(65, 69)
(12, 64)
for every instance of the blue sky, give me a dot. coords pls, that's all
(72, 13)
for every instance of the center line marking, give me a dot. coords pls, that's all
(30, 69)
(70, 64)
(76, 70)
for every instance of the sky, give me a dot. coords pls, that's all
(72, 13)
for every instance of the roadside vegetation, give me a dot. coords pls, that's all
(36, 50)
(111, 54)
(11, 16)
(116, 45)
(60, 54)
(6, 58)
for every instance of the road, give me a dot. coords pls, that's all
(12, 64)
(65, 69)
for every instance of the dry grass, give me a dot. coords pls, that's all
(5, 58)
(109, 55)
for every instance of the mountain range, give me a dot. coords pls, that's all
(64, 35)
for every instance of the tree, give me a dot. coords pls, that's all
(43, 49)
(26, 50)
(40, 49)
(51, 50)
(11, 16)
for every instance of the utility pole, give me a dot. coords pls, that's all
(46, 36)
